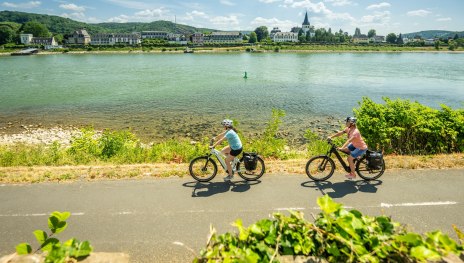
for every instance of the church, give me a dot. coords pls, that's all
(305, 27)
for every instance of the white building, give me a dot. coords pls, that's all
(306, 26)
(155, 35)
(26, 38)
(285, 37)
(115, 38)
(224, 37)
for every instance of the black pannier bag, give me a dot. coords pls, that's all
(374, 159)
(250, 160)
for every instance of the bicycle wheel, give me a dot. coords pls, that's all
(320, 168)
(203, 168)
(252, 175)
(366, 172)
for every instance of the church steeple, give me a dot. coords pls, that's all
(306, 20)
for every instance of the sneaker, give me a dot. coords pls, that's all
(350, 176)
(228, 178)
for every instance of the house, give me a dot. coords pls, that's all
(377, 39)
(47, 42)
(115, 38)
(224, 37)
(79, 37)
(177, 39)
(360, 39)
(155, 35)
(25, 38)
(197, 38)
(274, 31)
(285, 37)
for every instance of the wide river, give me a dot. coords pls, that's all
(168, 95)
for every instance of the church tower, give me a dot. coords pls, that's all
(306, 26)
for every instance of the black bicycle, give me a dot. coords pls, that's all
(322, 167)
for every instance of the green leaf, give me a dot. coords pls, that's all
(411, 238)
(84, 249)
(23, 249)
(327, 205)
(256, 230)
(49, 244)
(423, 253)
(41, 236)
(56, 225)
(62, 216)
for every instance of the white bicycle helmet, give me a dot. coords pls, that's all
(351, 120)
(227, 123)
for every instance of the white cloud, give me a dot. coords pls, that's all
(73, 7)
(444, 19)
(196, 13)
(378, 6)
(119, 19)
(27, 5)
(284, 25)
(269, 1)
(378, 18)
(227, 2)
(420, 12)
(147, 15)
(225, 22)
(134, 4)
(340, 2)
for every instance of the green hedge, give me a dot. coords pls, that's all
(405, 127)
(337, 235)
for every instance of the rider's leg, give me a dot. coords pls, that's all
(226, 151)
(351, 163)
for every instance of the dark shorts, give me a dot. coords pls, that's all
(235, 152)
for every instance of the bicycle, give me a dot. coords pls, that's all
(204, 168)
(317, 166)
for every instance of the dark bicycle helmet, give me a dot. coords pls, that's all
(351, 120)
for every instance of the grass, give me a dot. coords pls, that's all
(40, 174)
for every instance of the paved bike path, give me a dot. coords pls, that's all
(151, 218)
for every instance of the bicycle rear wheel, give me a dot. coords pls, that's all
(251, 175)
(320, 168)
(203, 169)
(366, 172)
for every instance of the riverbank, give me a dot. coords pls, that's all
(62, 174)
(259, 49)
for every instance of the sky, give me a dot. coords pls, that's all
(390, 16)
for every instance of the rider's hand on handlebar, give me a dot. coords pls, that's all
(211, 147)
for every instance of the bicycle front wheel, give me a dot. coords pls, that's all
(203, 169)
(368, 173)
(320, 168)
(251, 175)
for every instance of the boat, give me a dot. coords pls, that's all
(26, 52)
(188, 50)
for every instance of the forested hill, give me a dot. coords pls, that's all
(434, 33)
(61, 25)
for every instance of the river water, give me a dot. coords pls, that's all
(186, 95)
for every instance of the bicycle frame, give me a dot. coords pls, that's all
(222, 161)
(334, 150)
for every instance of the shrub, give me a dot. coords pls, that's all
(337, 235)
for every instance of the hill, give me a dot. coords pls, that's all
(61, 25)
(434, 33)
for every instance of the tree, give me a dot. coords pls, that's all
(391, 38)
(36, 29)
(253, 38)
(6, 35)
(59, 38)
(456, 37)
(357, 32)
(371, 33)
(262, 33)
(437, 44)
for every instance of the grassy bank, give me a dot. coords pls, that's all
(108, 171)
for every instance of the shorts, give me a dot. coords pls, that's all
(355, 152)
(235, 152)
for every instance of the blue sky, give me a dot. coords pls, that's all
(390, 16)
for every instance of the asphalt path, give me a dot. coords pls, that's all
(168, 219)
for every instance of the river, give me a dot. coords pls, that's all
(162, 96)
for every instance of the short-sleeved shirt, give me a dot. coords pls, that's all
(356, 138)
(233, 140)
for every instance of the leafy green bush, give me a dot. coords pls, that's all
(56, 251)
(404, 127)
(337, 235)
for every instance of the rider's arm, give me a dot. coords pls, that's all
(346, 143)
(219, 141)
(337, 134)
(220, 135)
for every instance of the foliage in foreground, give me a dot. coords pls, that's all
(54, 250)
(337, 235)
